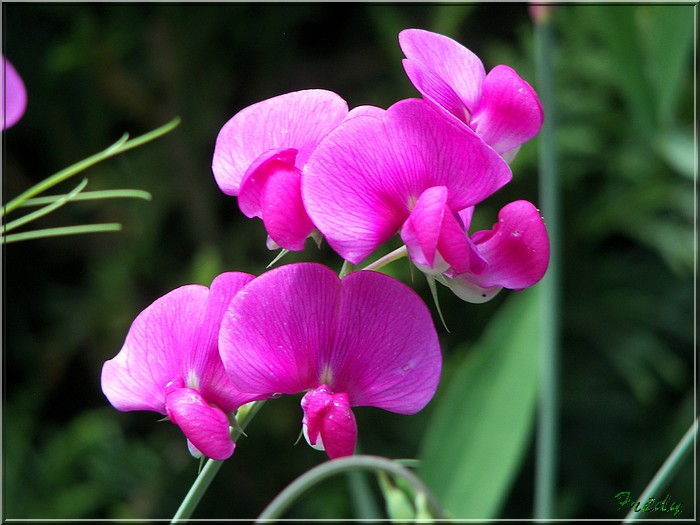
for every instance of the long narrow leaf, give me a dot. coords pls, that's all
(477, 437)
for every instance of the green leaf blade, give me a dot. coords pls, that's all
(478, 435)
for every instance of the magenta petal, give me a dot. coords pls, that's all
(286, 220)
(386, 351)
(277, 326)
(435, 90)
(447, 59)
(517, 248)
(159, 341)
(175, 338)
(13, 95)
(361, 183)
(294, 120)
(214, 384)
(329, 423)
(509, 112)
(205, 426)
(266, 165)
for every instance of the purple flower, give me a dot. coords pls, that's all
(365, 340)
(514, 254)
(411, 170)
(170, 364)
(259, 155)
(13, 94)
(501, 107)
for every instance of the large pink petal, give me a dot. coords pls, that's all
(294, 120)
(437, 91)
(205, 362)
(509, 112)
(13, 95)
(386, 351)
(175, 338)
(447, 59)
(277, 326)
(362, 181)
(156, 350)
(205, 426)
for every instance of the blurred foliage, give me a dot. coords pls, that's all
(625, 119)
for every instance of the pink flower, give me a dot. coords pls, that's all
(411, 171)
(13, 94)
(170, 364)
(365, 340)
(501, 107)
(514, 254)
(259, 155)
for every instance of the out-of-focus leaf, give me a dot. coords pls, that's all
(475, 442)
(669, 37)
(677, 149)
(618, 27)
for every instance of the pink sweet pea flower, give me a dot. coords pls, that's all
(501, 107)
(170, 364)
(514, 254)
(13, 94)
(410, 171)
(365, 340)
(260, 151)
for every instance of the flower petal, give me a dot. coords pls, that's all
(516, 249)
(276, 327)
(364, 178)
(13, 95)
(262, 168)
(175, 338)
(157, 346)
(386, 351)
(460, 69)
(205, 426)
(509, 112)
(294, 120)
(298, 326)
(283, 213)
(329, 423)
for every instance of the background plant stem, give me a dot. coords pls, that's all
(546, 453)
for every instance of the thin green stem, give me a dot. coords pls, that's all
(325, 470)
(120, 146)
(388, 258)
(211, 467)
(546, 453)
(57, 203)
(89, 196)
(668, 469)
(62, 231)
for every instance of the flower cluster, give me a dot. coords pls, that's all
(308, 166)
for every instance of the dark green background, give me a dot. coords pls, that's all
(624, 118)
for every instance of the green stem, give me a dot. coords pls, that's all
(668, 469)
(89, 196)
(120, 146)
(211, 467)
(57, 232)
(57, 203)
(388, 258)
(546, 453)
(341, 465)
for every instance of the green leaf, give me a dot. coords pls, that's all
(476, 439)
(669, 43)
